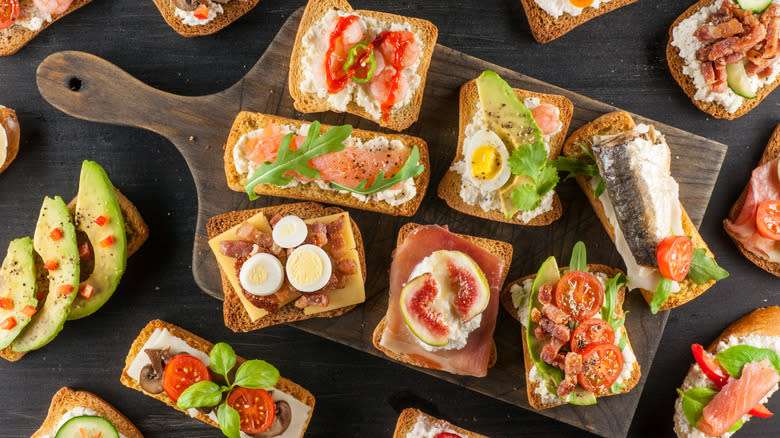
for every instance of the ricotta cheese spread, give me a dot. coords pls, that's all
(78, 411)
(556, 8)
(313, 81)
(697, 379)
(160, 339)
(424, 428)
(393, 196)
(683, 39)
(30, 17)
(189, 18)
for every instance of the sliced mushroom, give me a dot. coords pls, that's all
(152, 374)
(186, 5)
(281, 422)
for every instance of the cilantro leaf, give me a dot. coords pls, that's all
(548, 179)
(525, 197)
(410, 169)
(528, 159)
(704, 268)
(287, 160)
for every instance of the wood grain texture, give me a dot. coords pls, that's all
(192, 123)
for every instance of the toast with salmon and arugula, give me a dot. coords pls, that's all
(192, 18)
(624, 170)
(575, 344)
(367, 63)
(431, 268)
(413, 422)
(500, 127)
(272, 155)
(550, 19)
(732, 380)
(27, 18)
(753, 221)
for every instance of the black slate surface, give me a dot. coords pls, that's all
(618, 58)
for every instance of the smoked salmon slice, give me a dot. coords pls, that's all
(737, 398)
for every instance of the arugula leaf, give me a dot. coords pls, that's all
(734, 358)
(600, 187)
(704, 268)
(222, 359)
(256, 374)
(202, 394)
(623, 338)
(287, 160)
(229, 421)
(579, 261)
(410, 169)
(661, 295)
(525, 197)
(610, 301)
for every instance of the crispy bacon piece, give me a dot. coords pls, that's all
(558, 331)
(275, 220)
(536, 315)
(540, 333)
(708, 71)
(772, 31)
(572, 367)
(248, 232)
(739, 44)
(550, 354)
(546, 294)
(307, 300)
(765, 72)
(555, 314)
(725, 13)
(710, 32)
(238, 249)
(347, 266)
(317, 234)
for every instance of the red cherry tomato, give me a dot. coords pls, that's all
(602, 365)
(592, 331)
(9, 12)
(255, 407)
(768, 219)
(181, 372)
(674, 256)
(580, 294)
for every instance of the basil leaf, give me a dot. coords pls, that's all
(256, 374)
(579, 261)
(229, 421)
(525, 197)
(661, 295)
(734, 358)
(202, 394)
(222, 359)
(693, 402)
(410, 169)
(704, 268)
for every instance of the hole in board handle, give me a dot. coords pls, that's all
(74, 84)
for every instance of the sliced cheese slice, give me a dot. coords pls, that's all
(353, 292)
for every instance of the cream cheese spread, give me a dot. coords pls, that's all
(160, 339)
(424, 428)
(30, 17)
(556, 8)
(189, 18)
(300, 414)
(78, 411)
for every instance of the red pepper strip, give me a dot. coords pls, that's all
(51, 265)
(101, 220)
(202, 12)
(55, 234)
(8, 323)
(760, 411)
(711, 369)
(64, 289)
(29, 311)
(6, 303)
(108, 241)
(336, 84)
(86, 291)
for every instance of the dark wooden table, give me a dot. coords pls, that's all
(618, 58)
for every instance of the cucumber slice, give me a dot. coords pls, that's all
(90, 425)
(757, 6)
(738, 80)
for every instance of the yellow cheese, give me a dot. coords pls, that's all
(353, 292)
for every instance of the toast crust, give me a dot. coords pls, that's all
(234, 313)
(449, 187)
(16, 37)
(13, 148)
(613, 123)
(247, 121)
(400, 118)
(205, 346)
(66, 399)
(771, 152)
(232, 11)
(676, 64)
(534, 399)
(762, 321)
(409, 416)
(545, 27)
(498, 248)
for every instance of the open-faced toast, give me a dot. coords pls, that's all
(15, 37)
(546, 27)
(399, 118)
(231, 11)
(410, 418)
(10, 147)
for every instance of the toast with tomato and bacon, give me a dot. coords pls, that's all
(753, 220)
(26, 19)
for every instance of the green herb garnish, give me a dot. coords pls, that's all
(575, 167)
(704, 268)
(579, 261)
(531, 160)
(410, 169)
(661, 295)
(693, 402)
(733, 359)
(610, 302)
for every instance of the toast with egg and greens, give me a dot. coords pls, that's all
(551, 21)
(219, 13)
(488, 177)
(13, 38)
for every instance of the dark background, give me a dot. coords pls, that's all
(618, 58)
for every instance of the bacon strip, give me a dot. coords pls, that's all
(558, 331)
(572, 367)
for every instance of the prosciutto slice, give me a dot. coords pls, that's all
(470, 360)
(764, 185)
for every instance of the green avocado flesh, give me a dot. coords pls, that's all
(17, 283)
(50, 318)
(509, 118)
(97, 198)
(90, 425)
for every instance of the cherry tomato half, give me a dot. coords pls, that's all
(255, 407)
(181, 372)
(580, 294)
(602, 365)
(592, 331)
(9, 12)
(674, 256)
(446, 435)
(768, 219)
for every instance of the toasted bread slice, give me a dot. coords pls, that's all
(10, 124)
(400, 118)
(232, 11)
(247, 121)
(534, 399)
(449, 187)
(66, 399)
(410, 416)
(137, 233)
(546, 27)
(236, 317)
(771, 152)
(614, 123)
(205, 346)
(498, 248)
(676, 64)
(15, 37)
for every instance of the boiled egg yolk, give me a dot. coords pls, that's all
(262, 274)
(486, 160)
(308, 268)
(290, 232)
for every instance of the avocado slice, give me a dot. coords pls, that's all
(506, 115)
(99, 217)
(17, 283)
(61, 248)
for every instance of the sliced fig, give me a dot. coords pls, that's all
(417, 308)
(470, 290)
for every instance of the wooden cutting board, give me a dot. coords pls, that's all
(91, 88)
